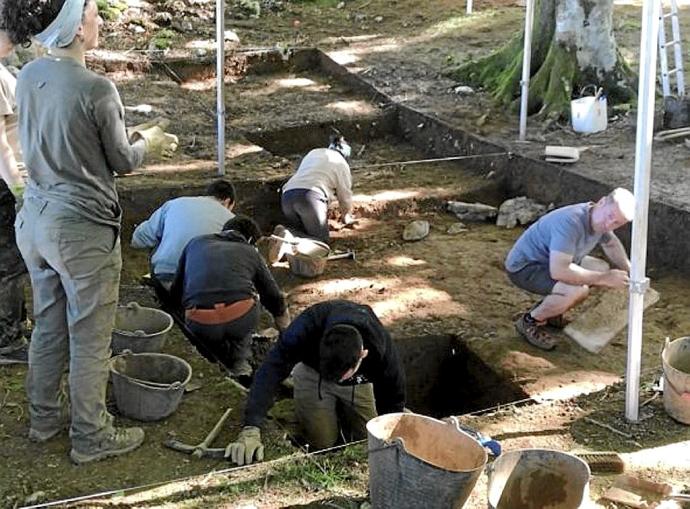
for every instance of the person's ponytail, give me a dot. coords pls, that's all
(22, 19)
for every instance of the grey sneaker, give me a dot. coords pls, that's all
(40, 436)
(275, 246)
(17, 353)
(119, 441)
(240, 368)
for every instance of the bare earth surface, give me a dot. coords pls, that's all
(446, 284)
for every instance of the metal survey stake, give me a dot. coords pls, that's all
(220, 83)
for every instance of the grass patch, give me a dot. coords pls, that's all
(163, 39)
(340, 473)
(110, 10)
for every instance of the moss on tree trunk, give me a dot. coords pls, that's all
(558, 71)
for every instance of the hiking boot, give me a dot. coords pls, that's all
(17, 353)
(557, 322)
(534, 333)
(118, 441)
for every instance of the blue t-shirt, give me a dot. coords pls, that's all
(173, 225)
(566, 230)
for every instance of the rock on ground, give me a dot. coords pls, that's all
(471, 211)
(520, 210)
(416, 230)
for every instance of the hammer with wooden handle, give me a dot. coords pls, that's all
(349, 255)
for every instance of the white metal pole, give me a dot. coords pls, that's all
(220, 83)
(643, 157)
(469, 6)
(526, 63)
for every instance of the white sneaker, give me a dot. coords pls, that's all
(276, 248)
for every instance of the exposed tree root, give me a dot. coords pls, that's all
(551, 88)
(499, 72)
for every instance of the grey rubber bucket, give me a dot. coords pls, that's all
(538, 479)
(675, 359)
(417, 461)
(148, 386)
(140, 329)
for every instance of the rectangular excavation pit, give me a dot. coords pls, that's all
(392, 195)
(445, 378)
(264, 90)
(379, 192)
(256, 110)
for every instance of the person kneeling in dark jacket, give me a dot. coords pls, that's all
(347, 370)
(219, 282)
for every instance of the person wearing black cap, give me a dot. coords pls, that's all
(347, 371)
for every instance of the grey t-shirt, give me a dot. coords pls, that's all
(71, 127)
(566, 230)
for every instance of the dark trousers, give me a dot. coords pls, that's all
(12, 274)
(307, 211)
(229, 342)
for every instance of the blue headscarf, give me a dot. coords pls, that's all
(62, 31)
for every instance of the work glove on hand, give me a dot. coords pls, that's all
(247, 447)
(348, 219)
(282, 321)
(158, 142)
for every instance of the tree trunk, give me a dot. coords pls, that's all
(572, 46)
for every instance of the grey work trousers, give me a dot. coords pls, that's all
(307, 211)
(324, 409)
(74, 265)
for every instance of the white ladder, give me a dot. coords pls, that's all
(666, 73)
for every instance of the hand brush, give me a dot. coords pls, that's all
(604, 462)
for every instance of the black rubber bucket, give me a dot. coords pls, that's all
(148, 386)
(420, 462)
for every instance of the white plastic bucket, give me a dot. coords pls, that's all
(588, 114)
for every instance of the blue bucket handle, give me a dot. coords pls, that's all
(493, 446)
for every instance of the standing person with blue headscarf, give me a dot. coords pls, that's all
(71, 125)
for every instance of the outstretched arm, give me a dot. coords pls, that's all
(563, 269)
(149, 233)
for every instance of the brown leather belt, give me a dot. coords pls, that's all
(220, 313)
